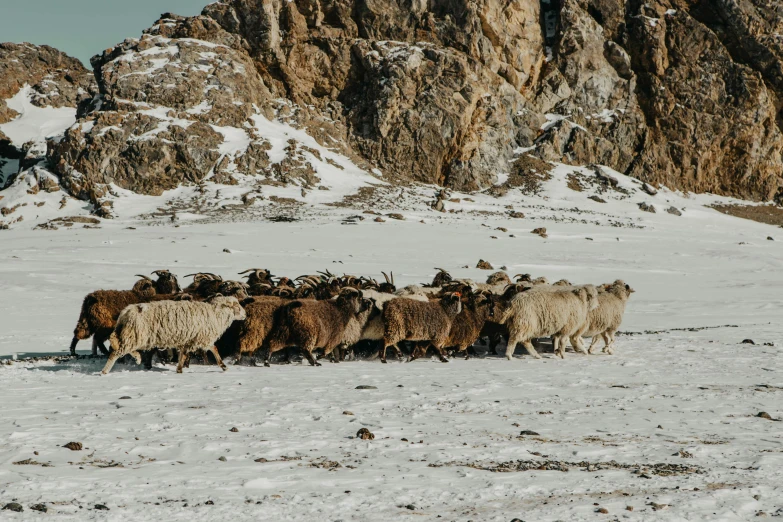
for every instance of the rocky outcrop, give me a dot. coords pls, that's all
(57, 79)
(686, 93)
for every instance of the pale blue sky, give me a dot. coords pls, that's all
(83, 28)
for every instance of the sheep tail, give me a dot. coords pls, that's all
(114, 342)
(82, 330)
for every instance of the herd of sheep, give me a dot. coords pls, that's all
(336, 314)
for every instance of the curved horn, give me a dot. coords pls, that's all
(144, 277)
(392, 277)
(386, 277)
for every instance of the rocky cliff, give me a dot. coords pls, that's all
(684, 93)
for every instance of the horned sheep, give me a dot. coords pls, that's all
(312, 324)
(410, 320)
(100, 310)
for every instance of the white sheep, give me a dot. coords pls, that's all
(187, 326)
(545, 311)
(605, 319)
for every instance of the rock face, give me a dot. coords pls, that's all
(686, 93)
(57, 79)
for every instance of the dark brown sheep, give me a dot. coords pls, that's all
(257, 276)
(411, 320)
(204, 284)
(253, 331)
(100, 310)
(467, 326)
(441, 278)
(167, 282)
(315, 324)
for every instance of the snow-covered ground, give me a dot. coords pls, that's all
(666, 426)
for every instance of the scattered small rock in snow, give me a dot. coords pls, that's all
(493, 237)
(528, 432)
(209, 503)
(222, 459)
(769, 344)
(13, 506)
(747, 341)
(365, 434)
(366, 387)
(379, 220)
(502, 229)
(629, 508)
(541, 231)
(764, 415)
(74, 446)
(234, 430)
(597, 199)
(649, 189)
(516, 214)
(346, 412)
(658, 507)
(227, 251)
(124, 397)
(770, 238)
(39, 507)
(659, 427)
(399, 217)
(589, 238)
(646, 207)
(484, 265)
(410, 506)
(602, 510)
(101, 507)
(504, 267)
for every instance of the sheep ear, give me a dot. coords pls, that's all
(246, 301)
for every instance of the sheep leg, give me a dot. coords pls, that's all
(205, 357)
(610, 348)
(419, 351)
(73, 345)
(308, 354)
(593, 343)
(183, 358)
(147, 359)
(218, 360)
(605, 336)
(577, 344)
(97, 340)
(559, 346)
(528, 346)
(112, 359)
(441, 352)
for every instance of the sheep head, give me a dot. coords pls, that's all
(441, 278)
(519, 278)
(498, 278)
(562, 282)
(388, 287)
(353, 300)
(257, 275)
(452, 303)
(228, 303)
(145, 287)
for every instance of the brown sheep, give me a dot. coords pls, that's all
(204, 284)
(411, 320)
(441, 278)
(167, 282)
(100, 310)
(256, 276)
(498, 278)
(467, 326)
(315, 324)
(253, 331)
